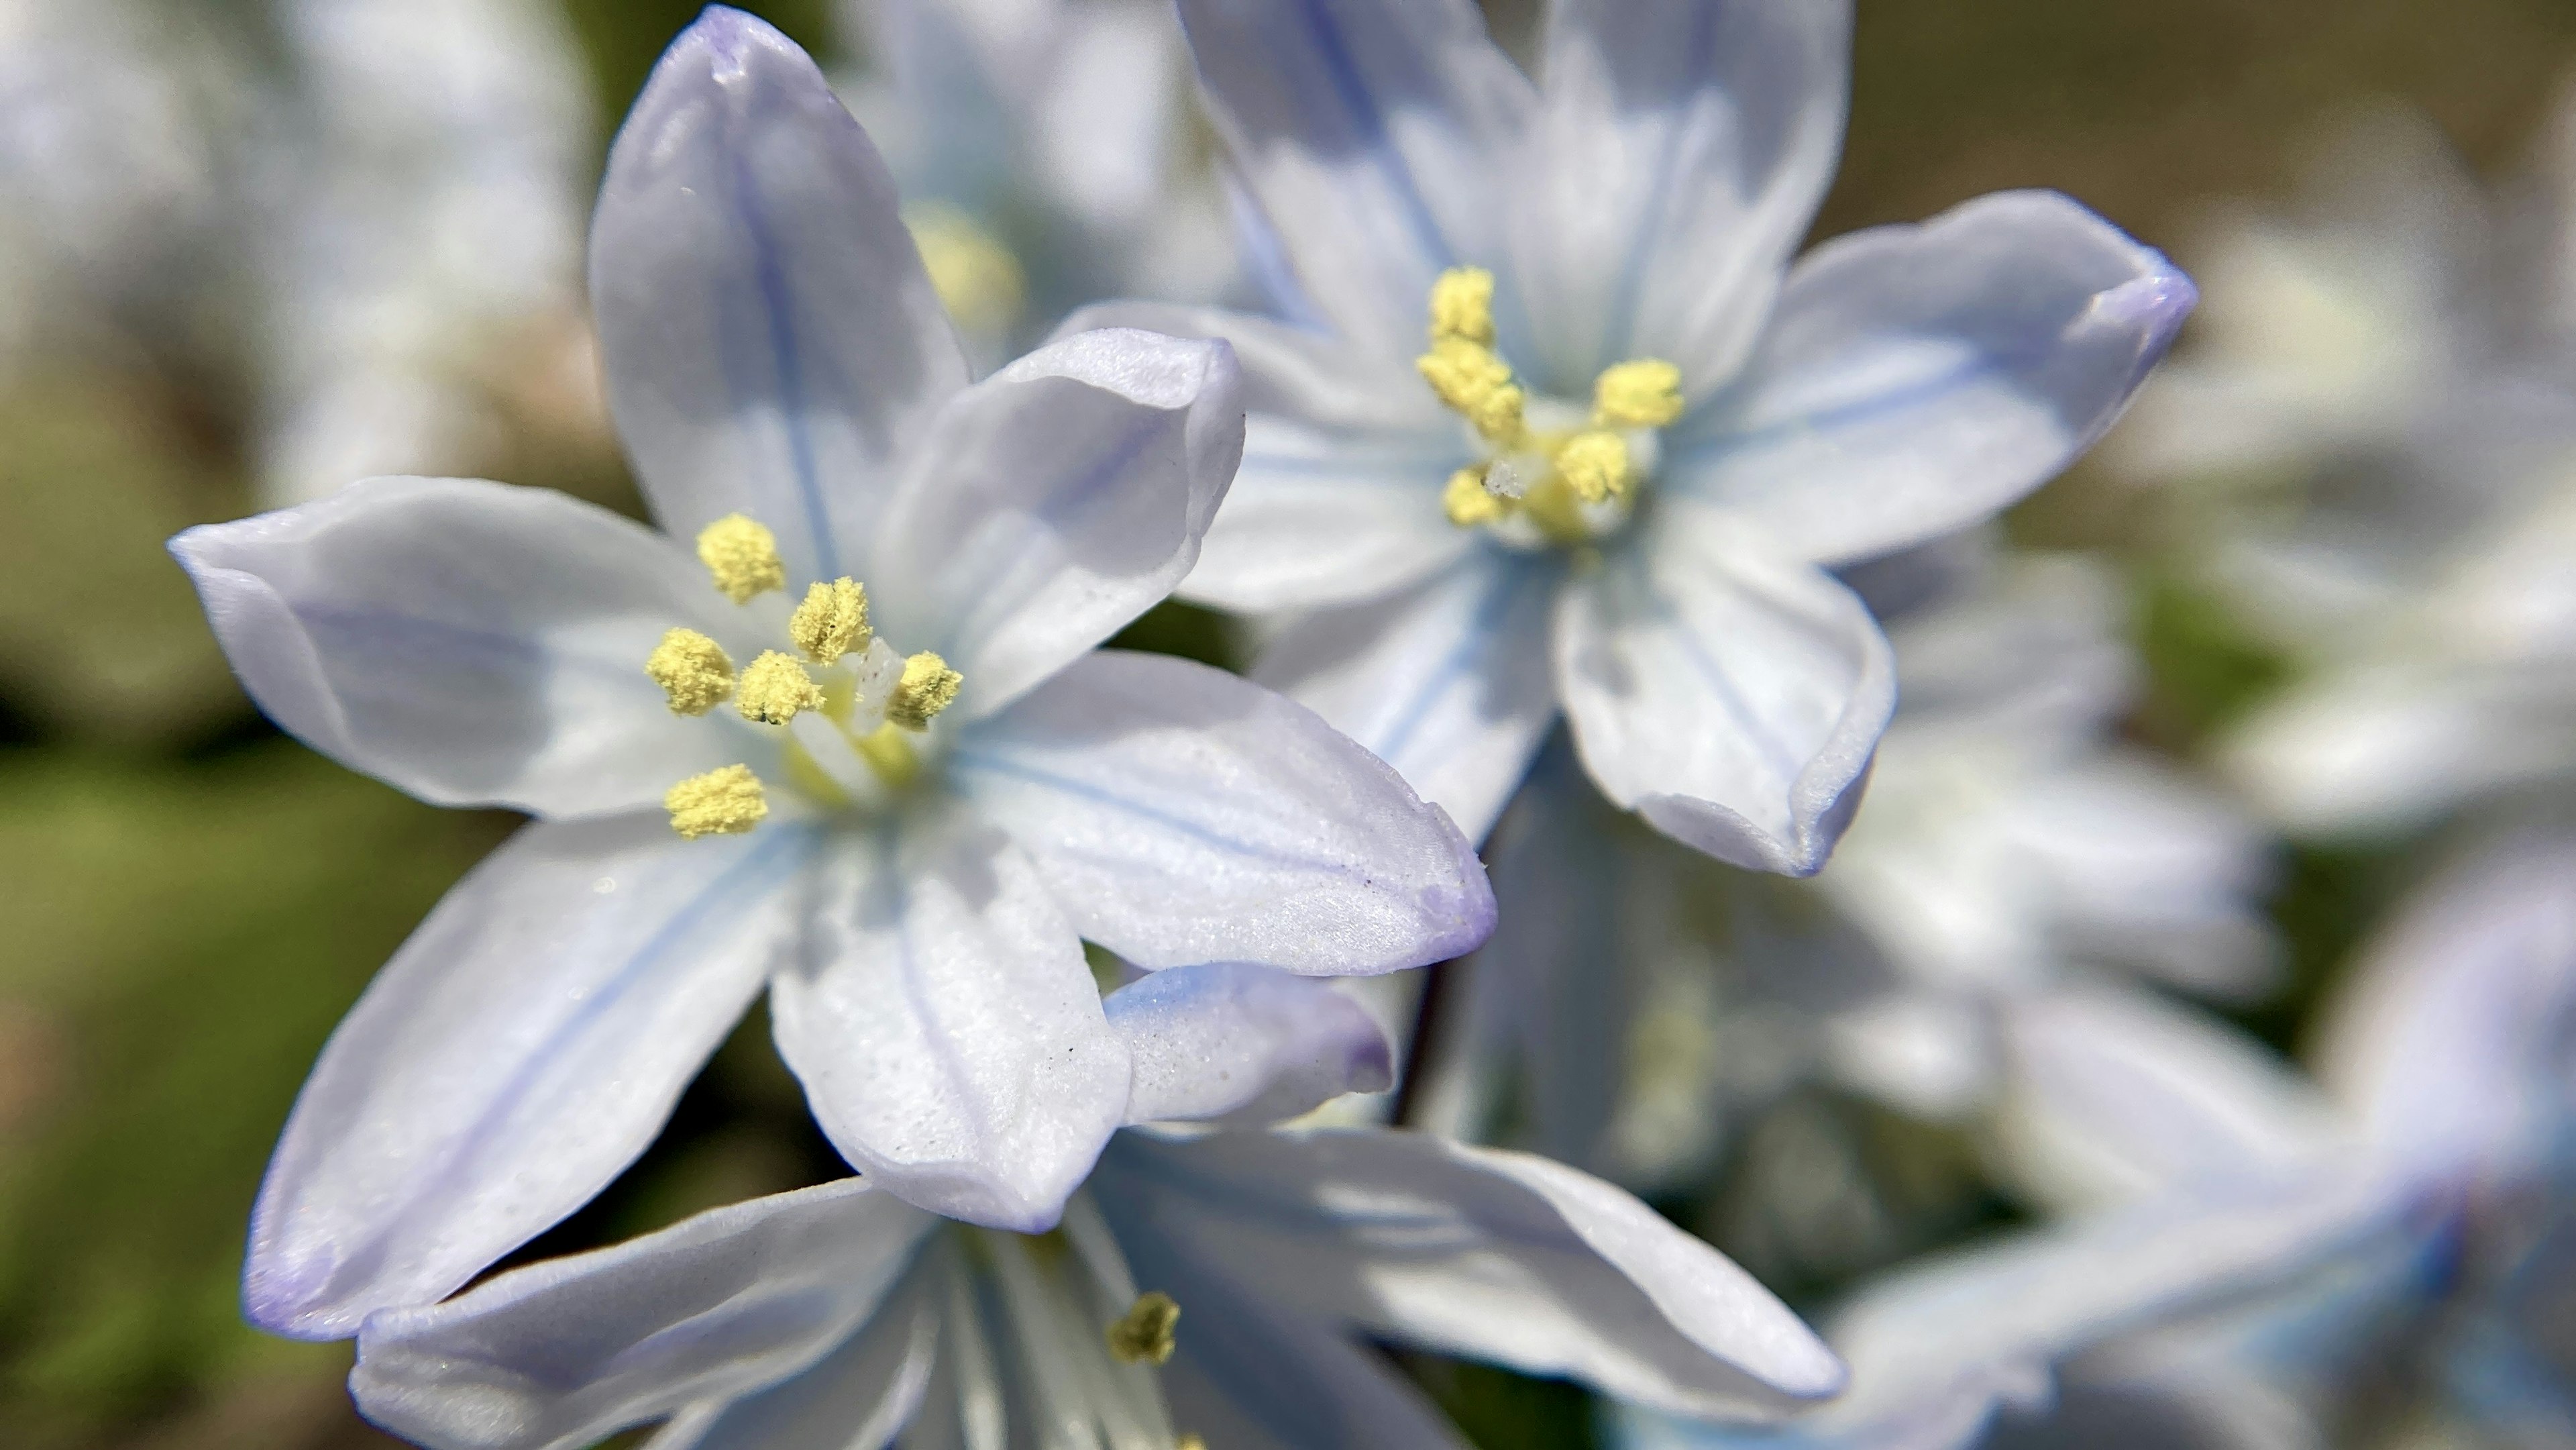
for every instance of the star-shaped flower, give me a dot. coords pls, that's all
(1611, 473)
(907, 846)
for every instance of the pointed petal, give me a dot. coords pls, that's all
(1376, 137)
(556, 1355)
(1472, 1251)
(1054, 502)
(1184, 815)
(1916, 379)
(947, 1031)
(471, 643)
(1243, 1044)
(1449, 682)
(771, 342)
(1683, 148)
(1344, 458)
(512, 1058)
(1729, 695)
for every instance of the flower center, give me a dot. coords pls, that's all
(1553, 472)
(869, 700)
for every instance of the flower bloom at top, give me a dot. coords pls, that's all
(841, 731)
(1566, 432)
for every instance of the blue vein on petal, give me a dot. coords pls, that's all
(1632, 275)
(1713, 447)
(746, 882)
(1485, 626)
(925, 1010)
(1059, 509)
(1783, 760)
(776, 301)
(987, 763)
(1361, 109)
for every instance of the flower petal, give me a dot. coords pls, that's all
(1376, 136)
(1449, 682)
(1243, 1044)
(1729, 695)
(471, 643)
(1472, 1251)
(1182, 815)
(512, 1058)
(1682, 150)
(947, 1031)
(771, 342)
(558, 1354)
(1915, 379)
(862, 1394)
(1054, 502)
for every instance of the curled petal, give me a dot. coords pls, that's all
(1243, 1045)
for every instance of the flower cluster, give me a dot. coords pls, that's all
(1181, 1043)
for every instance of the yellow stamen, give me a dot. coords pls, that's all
(1594, 465)
(743, 557)
(774, 688)
(1467, 500)
(928, 686)
(1472, 380)
(1645, 393)
(722, 802)
(888, 751)
(832, 621)
(1144, 1332)
(976, 277)
(1462, 306)
(692, 669)
(1189, 1442)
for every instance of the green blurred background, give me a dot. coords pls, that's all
(191, 900)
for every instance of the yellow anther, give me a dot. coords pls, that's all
(832, 621)
(1645, 393)
(774, 688)
(1471, 379)
(692, 669)
(1468, 502)
(1190, 1442)
(743, 557)
(976, 277)
(928, 686)
(1462, 306)
(1144, 1332)
(723, 802)
(1594, 465)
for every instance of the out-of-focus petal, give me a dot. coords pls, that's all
(771, 342)
(1377, 137)
(947, 1031)
(1916, 379)
(556, 1355)
(1682, 148)
(1495, 1255)
(1181, 815)
(1054, 502)
(1243, 1044)
(471, 643)
(1729, 695)
(1449, 682)
(515, 1055)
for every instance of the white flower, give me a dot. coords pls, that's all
(1046, 154)
(910, 859)
(1207, 1290)
(1650, 435)
(2011, 846)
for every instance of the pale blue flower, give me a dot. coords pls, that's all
(909, 866)
(836, 1316)
(1640, 547)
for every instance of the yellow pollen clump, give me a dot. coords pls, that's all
(774, 688)
(1594, 465)
(928, 686)
(1467, 500)
(723, 802)
(1189, 1442)
(1476, 383)
(832, 621)
(1462, 306)
(1645, 393)
(1144, 1332)
(743, 557)
(692, 669)
(976, 277)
